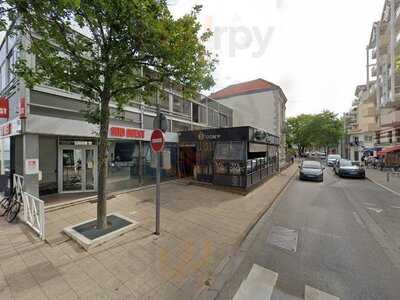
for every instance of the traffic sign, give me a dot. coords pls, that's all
(157, 141)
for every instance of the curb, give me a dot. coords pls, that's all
(383, 186)
(229, 264)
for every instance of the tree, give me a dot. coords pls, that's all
(112, 51)
(320, 130)
(299, 132)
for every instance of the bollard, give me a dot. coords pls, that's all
(387, 176)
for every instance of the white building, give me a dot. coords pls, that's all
(257, 103)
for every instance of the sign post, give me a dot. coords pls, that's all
(157, 143)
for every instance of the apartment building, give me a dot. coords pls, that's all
(46, 138)
(383, 74)
(361, 124)
(258, 103)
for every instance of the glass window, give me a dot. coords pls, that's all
(4, 75)
(229, 151)
(181, 105)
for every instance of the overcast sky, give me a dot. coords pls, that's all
(313, 49)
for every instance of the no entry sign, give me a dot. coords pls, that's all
(157, 140)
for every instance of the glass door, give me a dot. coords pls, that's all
(77, 169)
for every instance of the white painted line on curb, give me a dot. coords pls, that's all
(358, 219)
(258, 285)
(314, 294)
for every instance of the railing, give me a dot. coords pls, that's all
(18, 183)
(34, 214)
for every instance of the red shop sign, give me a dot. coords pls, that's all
(4, 108)
(22, 108)
(129, 133)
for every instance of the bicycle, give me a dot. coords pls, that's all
(11, 205)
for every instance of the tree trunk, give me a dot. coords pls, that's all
(103, 154)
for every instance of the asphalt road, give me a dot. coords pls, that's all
(348, 245)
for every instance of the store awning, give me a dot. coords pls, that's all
(391, 149)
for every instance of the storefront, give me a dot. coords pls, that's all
(236, 157)
(70, 164)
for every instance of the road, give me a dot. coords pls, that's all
(347, 246)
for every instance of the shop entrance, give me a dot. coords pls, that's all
(77, 167)
(187, 158)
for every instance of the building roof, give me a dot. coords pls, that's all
(249, 87)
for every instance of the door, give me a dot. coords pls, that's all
(77, 169)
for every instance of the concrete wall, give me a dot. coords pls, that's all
(48, 159)
(265, 110)
(259, 110)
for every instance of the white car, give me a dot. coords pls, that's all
(332, 159)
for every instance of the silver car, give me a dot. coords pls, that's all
(332, 159)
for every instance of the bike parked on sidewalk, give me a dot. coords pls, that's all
(11, 205)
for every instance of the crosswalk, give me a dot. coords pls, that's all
(260, 283)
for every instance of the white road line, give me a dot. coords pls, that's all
(314, 294)
(358, 219)
(377, 210)
(396, 207)
(258, 285)
(369, 204)
(384, 187)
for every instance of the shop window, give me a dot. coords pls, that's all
(229, 151)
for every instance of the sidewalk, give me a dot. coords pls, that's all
(199, 228)
(380, 177)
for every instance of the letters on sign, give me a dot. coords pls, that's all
(129, 133)
(4, 108)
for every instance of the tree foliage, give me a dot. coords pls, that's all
(112, 51)
(322, 130)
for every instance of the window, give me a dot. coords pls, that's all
(4, 75)
(390, 135)
(181, 105)
(229, 151)
(368, 138)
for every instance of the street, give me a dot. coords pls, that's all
(347, 246)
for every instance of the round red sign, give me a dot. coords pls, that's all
(157, 140)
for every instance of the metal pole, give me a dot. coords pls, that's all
(158, 167)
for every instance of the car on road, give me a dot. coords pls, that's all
(332, 159)
(311, 170)
(348, 168)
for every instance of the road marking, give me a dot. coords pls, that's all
(396, 207)
(385, 187)
(283, 238)
(358, 219)
(259, 284)
(377, 210)
(369, 204)
(314, 294)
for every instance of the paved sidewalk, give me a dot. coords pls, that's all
(199, 228)
(381, 178)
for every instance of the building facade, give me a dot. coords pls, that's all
(257, 103)
(46, 138)
(361, 124)
(383, 74)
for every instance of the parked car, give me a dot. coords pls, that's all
(332, 159)
(311, 170)
(348, 168)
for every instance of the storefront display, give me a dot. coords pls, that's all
(237, 157)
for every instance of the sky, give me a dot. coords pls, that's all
(313, 49)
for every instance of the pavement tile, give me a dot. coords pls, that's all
(197, 233)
